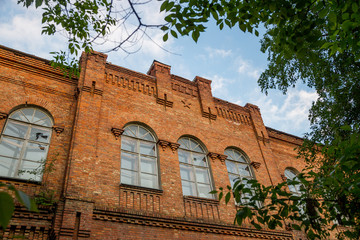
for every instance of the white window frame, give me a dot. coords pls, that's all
(194, 167)
(26, 141)
(138, 172)
(237, 162)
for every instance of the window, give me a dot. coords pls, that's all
(194, 169)
(238, 168)
(24, 144)
(139, 164)
(291, 174)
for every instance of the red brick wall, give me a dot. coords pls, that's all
(87, 172)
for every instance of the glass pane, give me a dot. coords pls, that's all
(128, 144)
(195, 146)
(42, 119)
(145, 134)
(187, 173)
(242, 159)
(35, 152)
(10, 147)
(231, 167)
(148, 165)
(188, 188)
(134, 130)
(128, 132)
(28, 112)
(199, 159)
(39, 115)
(129, 161)
(204, 190)
(184, 143)
(147, 148)
(30, 170)
(8, 166)
(18, 115)
(16, 129)
(128, 177)
(202, 176)
(184, 156)
(233, 179)
(230, 154)
(289, 174)
(244, 169)
(39, 134)
(149, 181)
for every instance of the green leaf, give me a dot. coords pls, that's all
(173, 33)
(23, 199)
(221, 194)
(296, 227)
(6, 209)
(195, 35)
(165, 37)
(38, 3)
(227, 197)
(355, 7)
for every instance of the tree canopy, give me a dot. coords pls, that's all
(312, 41)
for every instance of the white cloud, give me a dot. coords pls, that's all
(292, 114)
(213, 52)
(219, 85)
(23, 32)
(247, 68)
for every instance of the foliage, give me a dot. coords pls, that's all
(86, 23)
(329, 196)
(316, 42)
(7, 205)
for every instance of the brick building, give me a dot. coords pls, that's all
(130, 155)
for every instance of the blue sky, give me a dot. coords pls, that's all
(230, 58)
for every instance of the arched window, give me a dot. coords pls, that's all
(291, 174)
(24, 143)
(139, 164)
(238, 167)
(194, 169)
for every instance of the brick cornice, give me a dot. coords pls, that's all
(121, 215)
(36, 67)
(36, 87)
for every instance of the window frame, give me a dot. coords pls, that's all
(26, 141)
(238, 175)
(194, 167)
(295, 172)
(138, 156)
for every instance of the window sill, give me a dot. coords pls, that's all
(201, 200)
(141, 189)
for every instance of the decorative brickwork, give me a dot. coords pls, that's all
(89, 157)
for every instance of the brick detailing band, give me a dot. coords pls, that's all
(233, 116)
(29, 63)
(200, 208)
(36, 87)
(138, 85)
(92, 90)
(140, 199)
(129, 217)
(184, 88)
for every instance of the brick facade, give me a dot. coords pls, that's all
(89, 116)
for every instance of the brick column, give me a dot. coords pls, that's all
(264, 144)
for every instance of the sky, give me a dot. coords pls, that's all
(230, 58)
